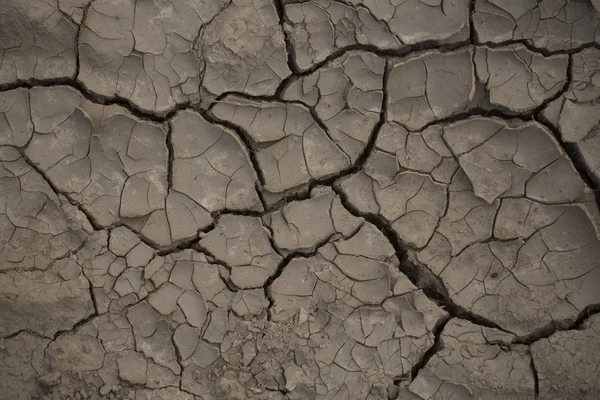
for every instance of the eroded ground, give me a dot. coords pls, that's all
(320, 199)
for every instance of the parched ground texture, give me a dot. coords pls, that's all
(282, 199)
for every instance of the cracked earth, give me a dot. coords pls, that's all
(315, 199)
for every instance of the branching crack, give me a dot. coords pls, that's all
(438, 345)
(421, 276)
(558, 326)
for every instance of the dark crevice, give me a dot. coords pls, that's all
(536, 379)
(191, 242)
(161, 117)
(246, 213)
(283, 391)
(169, 142)
(174, 248)
(472, 32)
(261, 195)
(269, 282)
(290, 51)
(533, 114)
(418, 274)
(71, 20)
(185, 390)
(585, 315)
(271, 238)
(570, 148)
(437, 346)
(158, 117)
(576, 158)
(478, 112)
(178, 358)
(255, 97)
(295, 194)
(161, 249)
(92, 296)
(77, 38)
(540, 50)
(499, 112)
(550, 330)
(560, 326)
(434, 45)
(525, 42)
(76, 326)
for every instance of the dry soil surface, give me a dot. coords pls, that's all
(283, 199)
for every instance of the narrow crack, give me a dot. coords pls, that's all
(255, 97)
(572, 151)
(75, 327)
(213, 260)
(97, 98)
(92, 295)
(77, 39)
(267, 286)
(284, 263)
(171, 152)
(536, 379)
(95, 225)
(23, 331)
(242, 135)
(178, 358)
(181, 245)
(289, 47)
(539, 50)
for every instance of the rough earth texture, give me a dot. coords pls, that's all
(299, 199)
